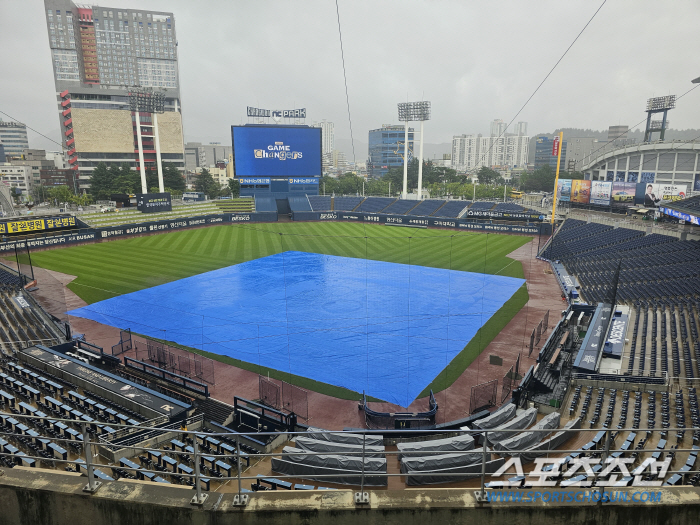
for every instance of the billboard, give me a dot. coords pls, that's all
(600, 192)
(34, 225)
(623, 192)
(580, 191)
(153, 202)
(276, 151)
(564, 190)
(655, 195)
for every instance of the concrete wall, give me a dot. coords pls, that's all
(29, 496)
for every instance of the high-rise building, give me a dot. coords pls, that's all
(543, 153)
(99, 54)
(13, 136)
(327, 135)
(498, 127)
(471, 152)
(386, 149)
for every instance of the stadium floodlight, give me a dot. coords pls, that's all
(658, 105)
(148, 100)
(413, 112)
(661, 103)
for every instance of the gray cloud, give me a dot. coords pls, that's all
(475, 61)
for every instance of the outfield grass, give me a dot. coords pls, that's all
(117, 267)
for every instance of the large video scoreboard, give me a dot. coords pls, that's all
(276, 151)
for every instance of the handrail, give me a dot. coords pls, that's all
(601, 450)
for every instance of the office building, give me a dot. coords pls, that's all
(577, 149)
(543, 153)
(13, 136)
(386, 149)
(99, 55)
(198, 155)
(17, 177)
(36, 160)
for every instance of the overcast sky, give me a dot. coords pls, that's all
(474, 60)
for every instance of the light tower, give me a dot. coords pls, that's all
(411, 112)
(148, 101)
(658, 105)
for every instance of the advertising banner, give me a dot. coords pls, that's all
(692, 219)
(696, 185)
(55, 240)
(623, 192)
(600, 192)
(276, 151)
(153, 202)
(35, 225)
(655, 195)
(581, 191)
(507, 215)
(616, 337)
(564, 190)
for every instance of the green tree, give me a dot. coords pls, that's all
(101, 182)
(172, 178)
(487, 175)
(205, 183)
(234, 187)
(60, 194)
(125, 180)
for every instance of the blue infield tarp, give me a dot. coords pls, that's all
(385, 328)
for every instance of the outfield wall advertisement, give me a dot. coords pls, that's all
(276, 151)
(564, 190)
(655, 195)
(91, 235)
(600, 192)
(419, 222)
(581, 191)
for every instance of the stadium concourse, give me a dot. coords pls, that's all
(330, 412)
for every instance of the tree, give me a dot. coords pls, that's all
(125, 180)
(234, 187)
(205, 183)
(60, 194)
(172, 178)
(101, 182)
(487, 175)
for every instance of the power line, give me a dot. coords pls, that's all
(637, 124)
(35, 131)
(546, 77)
(345, 77)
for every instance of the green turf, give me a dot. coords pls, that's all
(117, 267)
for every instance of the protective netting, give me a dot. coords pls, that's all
(483, 396)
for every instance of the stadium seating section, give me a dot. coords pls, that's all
(401, 207)
(299, 203)
(451, 209)
(320, 202)
(21, 327)
(652, 267)
(374, 204)
(346, 203)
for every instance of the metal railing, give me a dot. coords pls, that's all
(600, 454)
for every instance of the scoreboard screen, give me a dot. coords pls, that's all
(276, 151)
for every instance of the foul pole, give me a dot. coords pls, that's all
(557, 151)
